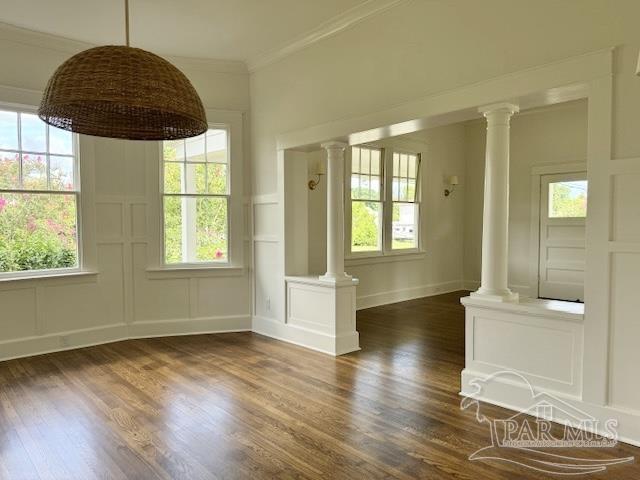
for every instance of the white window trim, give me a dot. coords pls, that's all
(232, 122)
(386, 253)
(81, 205)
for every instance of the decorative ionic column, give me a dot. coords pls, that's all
(335, 213)
(495, 226)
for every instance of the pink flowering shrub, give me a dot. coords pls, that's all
(37, 231)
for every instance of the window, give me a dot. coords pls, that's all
(568, 199)
(39, 195)
(196, 195)
(366, 199)
(384, 199)
(404, 190)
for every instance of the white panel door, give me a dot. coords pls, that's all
(563, 212)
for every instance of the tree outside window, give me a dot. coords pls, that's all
(196, 199)
(38, 195)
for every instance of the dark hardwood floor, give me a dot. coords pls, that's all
(245, 406)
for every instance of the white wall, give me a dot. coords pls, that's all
(439, 268)
(317, 216)
(422, 48)
(410, 51)
(121, 200)
(452, 227)
(552, 135)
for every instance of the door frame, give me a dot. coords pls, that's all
(537, 172)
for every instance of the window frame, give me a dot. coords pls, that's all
(232, 122)
(381, 201)
(386, 168)
(77, 192)
(417, 202)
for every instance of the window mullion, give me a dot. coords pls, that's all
(387, 206)
(47, 158)
(206, 166)
(348, 174)
(20, 169)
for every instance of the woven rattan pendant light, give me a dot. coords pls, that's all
(122, 92)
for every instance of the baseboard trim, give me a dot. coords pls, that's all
(70, 340)
(395, 296)
(512, 396)
(302, 337)
(471, 285)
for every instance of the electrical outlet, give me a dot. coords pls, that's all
(64, 341)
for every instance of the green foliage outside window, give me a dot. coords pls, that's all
(568, 199)
(364, 221)
(211, 212)
(37, 231)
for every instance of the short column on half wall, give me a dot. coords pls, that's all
(495, 219)
(335, 213)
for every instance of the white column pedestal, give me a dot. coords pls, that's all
(495, 226)
(335, 213)
(322, 315)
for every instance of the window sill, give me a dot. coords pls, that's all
(48, 278)
(160, 273)
(386, 258)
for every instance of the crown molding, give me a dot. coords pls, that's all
(337, 24)
(333, 26)
(208, 64)
(14, 34)
(24, 36)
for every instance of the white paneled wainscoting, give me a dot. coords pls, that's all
(520, 354)
(122, 290)
(540, 339)
(121, 297)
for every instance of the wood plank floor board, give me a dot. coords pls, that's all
(243, 406)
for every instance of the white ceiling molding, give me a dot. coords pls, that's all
(10, 33)
(333, 26)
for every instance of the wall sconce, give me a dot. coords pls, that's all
(318, 172)
(453, 182)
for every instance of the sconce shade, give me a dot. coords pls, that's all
(453, 180)
(122, 92)
(320, 168)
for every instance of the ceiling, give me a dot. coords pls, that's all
(220, 29)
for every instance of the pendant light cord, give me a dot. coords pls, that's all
(126, 20)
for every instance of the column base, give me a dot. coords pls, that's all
(336, 279)
(321, 315)
(496, 295)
